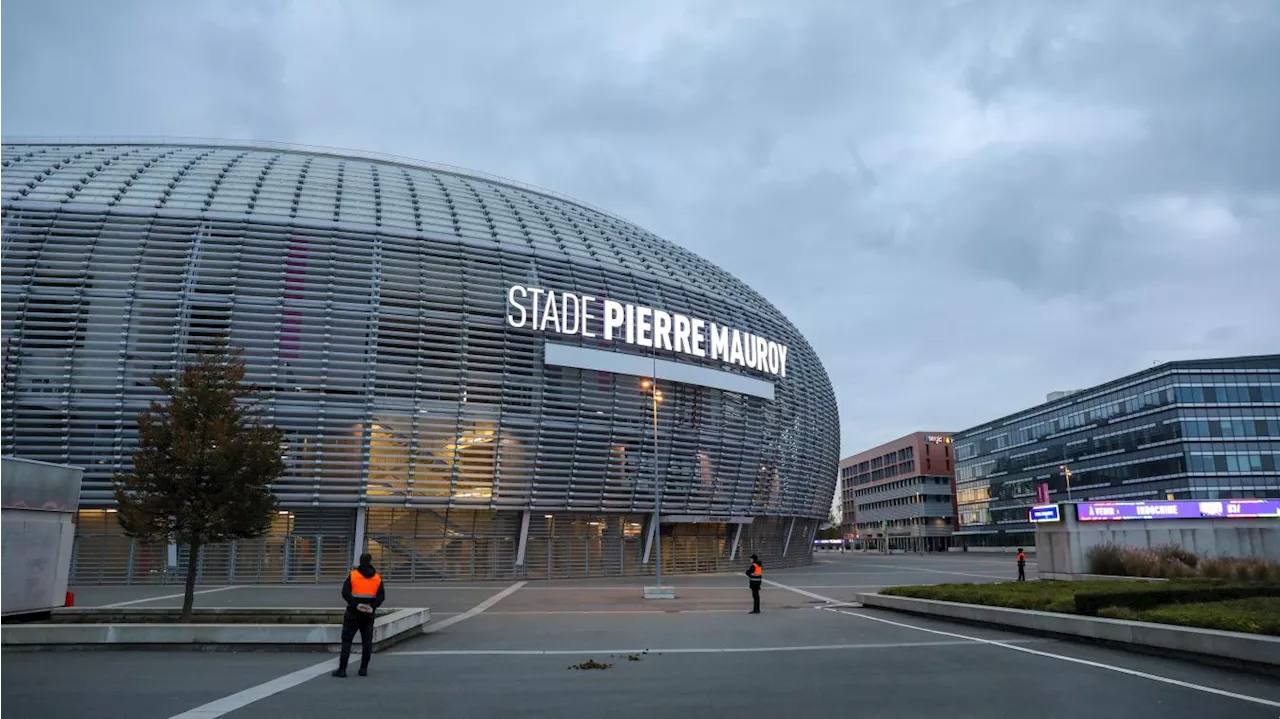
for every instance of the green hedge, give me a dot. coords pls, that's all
(1046, 596)
(1255, 615)
(1090, 603)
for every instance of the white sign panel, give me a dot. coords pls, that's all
(568, 313)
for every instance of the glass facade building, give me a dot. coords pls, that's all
(1203, 429)
(371, 297)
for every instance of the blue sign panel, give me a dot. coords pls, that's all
(1046, 513)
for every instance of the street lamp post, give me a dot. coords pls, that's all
(1067, 471)
(652, 386)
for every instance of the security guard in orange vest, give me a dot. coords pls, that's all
(755, 573)
(364, 593)
(1022, 565)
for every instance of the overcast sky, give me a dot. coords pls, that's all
(962, 205)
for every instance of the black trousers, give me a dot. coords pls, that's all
(353, 621)
(755, 596)
(1022, 572)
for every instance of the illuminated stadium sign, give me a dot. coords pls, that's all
(568, 313)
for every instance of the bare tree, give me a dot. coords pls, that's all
(205, 462)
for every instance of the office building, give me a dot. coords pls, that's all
(1202, 429)
(459, 363)
(900, 495)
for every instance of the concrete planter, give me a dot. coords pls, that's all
(1236, 646)
(292, 629)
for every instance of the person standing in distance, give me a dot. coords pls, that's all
(1022, 565)
(364, 593)
(755, 573)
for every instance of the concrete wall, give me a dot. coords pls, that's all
(1063, 547)
(39, 502)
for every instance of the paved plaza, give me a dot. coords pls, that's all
(505, 649)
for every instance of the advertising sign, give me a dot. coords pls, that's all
(1046, 513)
(1042, 493)
(567, 313)
(1178, 509)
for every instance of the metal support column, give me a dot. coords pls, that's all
(787, 544)
(737, 541)
(524, 537)
(231, 563)
(358, 546)
(128, 572)
(648, 539)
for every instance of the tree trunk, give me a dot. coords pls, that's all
(188, 597)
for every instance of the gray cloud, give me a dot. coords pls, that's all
(963, 205)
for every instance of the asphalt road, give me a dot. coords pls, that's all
(698, 656)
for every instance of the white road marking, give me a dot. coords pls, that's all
(477, 609)
(809, 576)
(535, 588)
(619, 611)
(839, 586)
(637, 588)
(1007, 644)
(397, 587)
(804, 592)
(695, 650)
(167, 596)
(735, 588)
(943, 571)
(228, 704)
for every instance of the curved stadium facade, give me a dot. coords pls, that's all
(457, 363)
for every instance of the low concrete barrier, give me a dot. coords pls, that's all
(199, 615)
(207, 633)
(1030, 551)
(1236, 646)
(1065, 577)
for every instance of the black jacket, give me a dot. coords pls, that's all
(365, 570)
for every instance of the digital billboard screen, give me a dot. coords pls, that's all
(1178, 509)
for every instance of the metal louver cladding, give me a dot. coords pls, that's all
(370, 296)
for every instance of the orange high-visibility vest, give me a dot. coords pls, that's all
(363, 587)
(1022, 557)
(757, 571)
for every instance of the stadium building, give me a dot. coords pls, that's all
(461, 365)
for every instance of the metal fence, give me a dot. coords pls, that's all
(308, 547)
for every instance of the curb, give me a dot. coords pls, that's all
(1252, 649)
